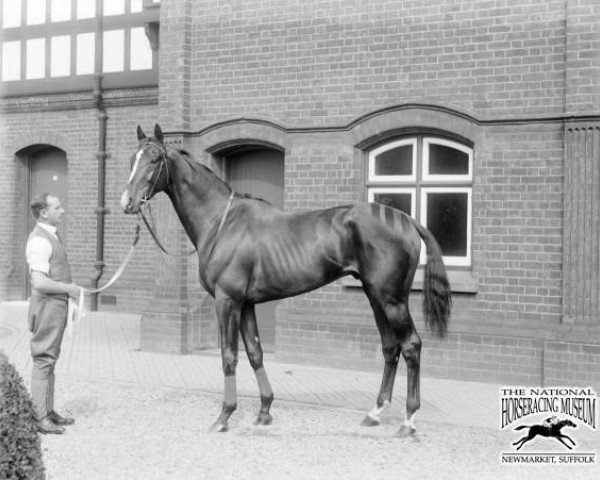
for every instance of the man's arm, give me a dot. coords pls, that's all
(44, 284)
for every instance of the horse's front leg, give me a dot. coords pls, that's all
(228, 313)
(560, 439)
(249, 331)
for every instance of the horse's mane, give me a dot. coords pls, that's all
(196, 165)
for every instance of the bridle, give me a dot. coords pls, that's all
(163, 164)
(146, 201)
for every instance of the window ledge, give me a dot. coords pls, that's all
(461, 281)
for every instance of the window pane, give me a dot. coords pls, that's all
(36, 12)
(400, 201)
(60, 56)
(447, 220)
(86, 53)
(136, 6)
(86, 8)
(11, 13)
(141, 53)
(11, 61)
(36, 58)
(114, 7)
(397, 161)
(113, 51)
(61, 10)
(445, 160)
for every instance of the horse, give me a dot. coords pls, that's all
(546, 430)
(250, 252)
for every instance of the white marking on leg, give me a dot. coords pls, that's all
(375, 414)
(409, 422)
(138, 156)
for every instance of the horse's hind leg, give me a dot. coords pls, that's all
(228, 313)
(384, 399)
(520, 442)
(391, 354)
(254, 350)
(411, 351)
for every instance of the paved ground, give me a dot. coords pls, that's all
(105, 346)
(143, 415)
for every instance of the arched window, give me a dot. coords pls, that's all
(430, 179)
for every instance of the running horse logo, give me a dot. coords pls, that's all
(551, 427)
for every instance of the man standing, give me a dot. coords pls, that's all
(48, 307)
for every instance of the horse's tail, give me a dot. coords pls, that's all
(521, 427)
(437, 299)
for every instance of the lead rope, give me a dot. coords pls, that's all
(77, 310)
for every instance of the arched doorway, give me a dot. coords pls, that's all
(47, 173)
(259, 171)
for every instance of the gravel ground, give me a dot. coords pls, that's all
(130, 432)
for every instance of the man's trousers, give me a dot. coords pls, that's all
(47, 322)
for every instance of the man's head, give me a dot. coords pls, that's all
(46, 208)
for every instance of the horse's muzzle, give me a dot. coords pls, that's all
(127, 202)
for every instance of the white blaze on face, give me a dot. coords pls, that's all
(125, 199)
(138, 156)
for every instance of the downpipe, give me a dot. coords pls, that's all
(101, 157)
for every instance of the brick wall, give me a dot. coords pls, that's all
(325, 63)
(572, 364)
(76, 132)
(324, 82)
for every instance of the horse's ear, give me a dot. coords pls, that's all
(158, 134)
(140, 133)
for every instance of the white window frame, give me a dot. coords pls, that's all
(452, 261)
(393, 178)
(427, 177)
(410, 190)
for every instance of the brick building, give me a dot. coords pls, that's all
(480, 118)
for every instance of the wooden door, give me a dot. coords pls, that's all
(47, 174)
(260, 172)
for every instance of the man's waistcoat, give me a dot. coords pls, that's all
(59, 267)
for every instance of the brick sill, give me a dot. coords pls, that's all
(461, 281)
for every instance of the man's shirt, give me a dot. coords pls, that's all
(39, 250)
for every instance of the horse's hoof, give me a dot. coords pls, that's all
(219, 427)
(264, 419)
(370, 422)
(406, 431)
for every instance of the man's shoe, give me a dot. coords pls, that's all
(58, 420)
(45, 425)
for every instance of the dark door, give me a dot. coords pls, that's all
(260, 173)
(47, 174)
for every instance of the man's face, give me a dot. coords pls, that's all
(53, 213)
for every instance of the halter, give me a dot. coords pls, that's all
(146, 200)
(163, 164)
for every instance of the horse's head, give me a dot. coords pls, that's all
(149, 171)
(568, 423)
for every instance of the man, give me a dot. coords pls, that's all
(48, 307)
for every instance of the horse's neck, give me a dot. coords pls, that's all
(199, 198)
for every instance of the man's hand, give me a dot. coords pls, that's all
(74, 291)
(45, 285)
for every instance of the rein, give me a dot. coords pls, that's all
(121, 269)
(164, 250)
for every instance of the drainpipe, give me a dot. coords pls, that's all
(101, 157)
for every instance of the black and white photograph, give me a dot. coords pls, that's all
(299, 239)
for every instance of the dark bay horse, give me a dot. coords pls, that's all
(250, 252)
